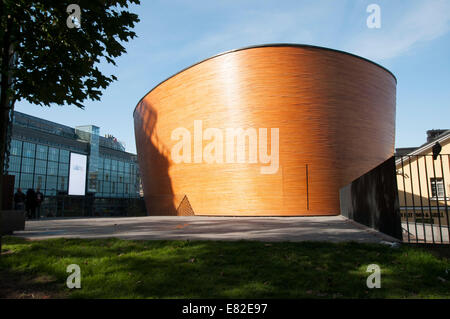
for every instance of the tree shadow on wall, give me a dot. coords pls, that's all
(154, 162)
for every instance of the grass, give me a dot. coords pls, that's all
(112, 268)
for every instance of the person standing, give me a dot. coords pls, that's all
(19, 200)
(31, 203)
(39, 200)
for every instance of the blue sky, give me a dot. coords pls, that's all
(413, 42)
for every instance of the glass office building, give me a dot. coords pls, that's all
(40, 158)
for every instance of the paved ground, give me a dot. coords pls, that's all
(333, 228)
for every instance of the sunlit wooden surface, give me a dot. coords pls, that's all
(336, 118)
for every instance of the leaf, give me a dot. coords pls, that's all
(59, 65)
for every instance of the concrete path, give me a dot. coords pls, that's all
(332, 228)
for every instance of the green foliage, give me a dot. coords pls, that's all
(58, 64)
(113, 268)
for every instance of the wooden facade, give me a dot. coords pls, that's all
(335, 115)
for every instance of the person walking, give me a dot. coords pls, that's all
(19, 200)
(31, 203)
(39, 200)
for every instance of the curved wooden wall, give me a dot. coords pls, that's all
(336, 118)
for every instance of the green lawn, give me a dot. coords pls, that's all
(113, 268)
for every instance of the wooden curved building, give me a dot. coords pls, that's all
(306, 121)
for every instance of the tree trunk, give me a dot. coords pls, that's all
(5, 98)
(4, 124)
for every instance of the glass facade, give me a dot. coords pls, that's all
(91, 133)
(117, 180)
(37, 164)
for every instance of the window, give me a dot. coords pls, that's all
(51, 183)
(113, 165)
(16, 147)
(52, 168)
(41, 152)
(26, 181)
(39, 181)
(41, 167)
(64, 156)
(63, 169)
(62, 184)
(14, 163)
(107, 187)
(120, 188)
(437, 187)
(92, 182)
(100, 175)
(29, 149)
(50, 192)
(99, 163)
(27, 165)
(53, 154)
(107, 163)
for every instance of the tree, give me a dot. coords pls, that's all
(46, 60)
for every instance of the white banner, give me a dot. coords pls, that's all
(77, 175)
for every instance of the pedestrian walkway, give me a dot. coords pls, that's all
(329, 228)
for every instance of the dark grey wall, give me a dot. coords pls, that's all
(11, 220)
(372, 200)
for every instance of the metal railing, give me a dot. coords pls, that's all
(423, 183)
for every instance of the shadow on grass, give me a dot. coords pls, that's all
(114, 268)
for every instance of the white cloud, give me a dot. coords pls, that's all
(308, 23)
(335, 24)
(423, 22)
